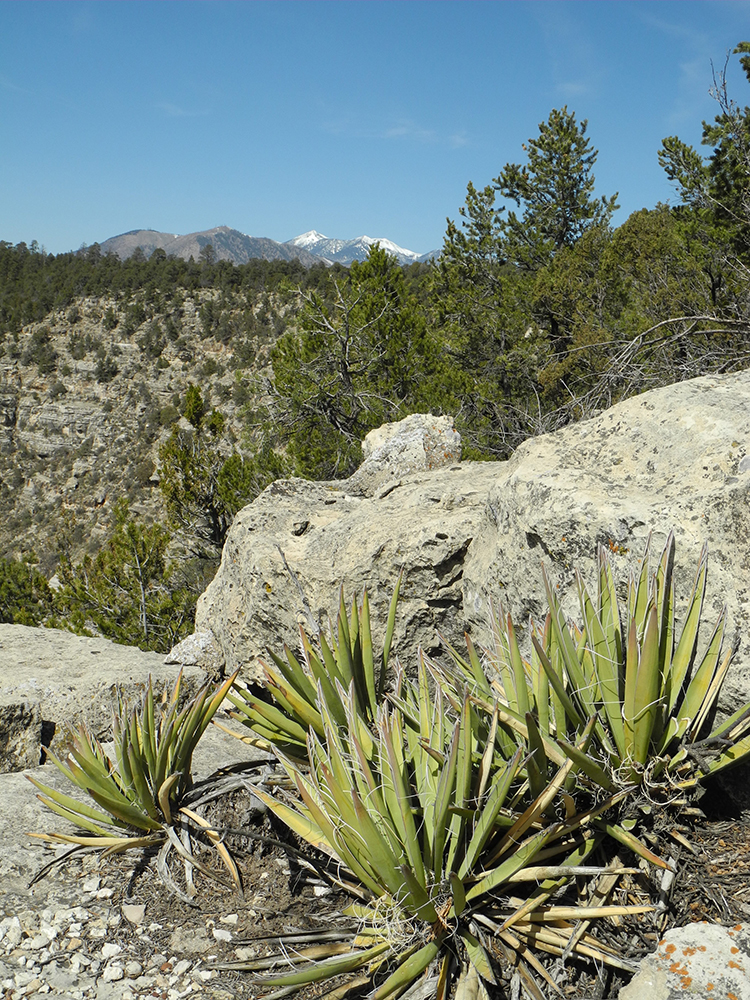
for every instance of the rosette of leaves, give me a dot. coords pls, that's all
(140, 797)
(650, 687)
(438, 837)
(344, 670)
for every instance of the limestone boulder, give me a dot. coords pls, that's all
(468, 534)
(674, 459)
(20, 732)
(50, 681)
(417, 443)
(699, 960)
(290, 551)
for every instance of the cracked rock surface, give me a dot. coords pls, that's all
(470, 534)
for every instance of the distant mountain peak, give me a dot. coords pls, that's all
(228, 244)
(310, 248)
(312, 236)
(347, 251)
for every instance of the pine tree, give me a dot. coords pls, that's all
(361, 357)
(717, 190)
(128, 591)
(205, 481)
(554, 191)
(495, 292)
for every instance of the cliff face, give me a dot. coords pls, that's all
(474, 534)
(85, 406)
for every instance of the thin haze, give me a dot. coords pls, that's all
(354, 119)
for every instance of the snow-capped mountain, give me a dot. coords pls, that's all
(346, 251)
(231, 244)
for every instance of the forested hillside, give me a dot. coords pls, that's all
(144, 401)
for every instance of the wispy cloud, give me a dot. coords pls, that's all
(570, 89)
(691, 101)
(7, 85)
(175, 111)
(401, 130)
(41, 96)
(409, 130)
(572, 55)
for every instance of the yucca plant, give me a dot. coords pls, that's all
(343, 668)
(652, 694)
(140, 796)
(428, 827)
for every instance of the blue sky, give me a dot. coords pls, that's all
(352, 118)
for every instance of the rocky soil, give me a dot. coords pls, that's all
(76, 926)
(85, 928)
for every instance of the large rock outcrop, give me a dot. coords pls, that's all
(51, 681)
(288, 553)
(676, 458)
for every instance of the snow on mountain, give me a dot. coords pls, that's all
(346, 251)
(231, 244)
(310, 239)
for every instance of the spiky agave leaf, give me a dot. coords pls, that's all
(138, 794)
(301, 688)
(631, 668)
(409, 822)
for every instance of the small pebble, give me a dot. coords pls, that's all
(134, 912)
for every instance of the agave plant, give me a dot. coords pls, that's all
(346, 669)
(652, 695)
(140, 796)
(422, 823)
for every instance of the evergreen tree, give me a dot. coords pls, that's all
(361, 357)
(554, 189)
(25, 597)
(128, 591)
(205, 481)
(505, 311)
(717, 190)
